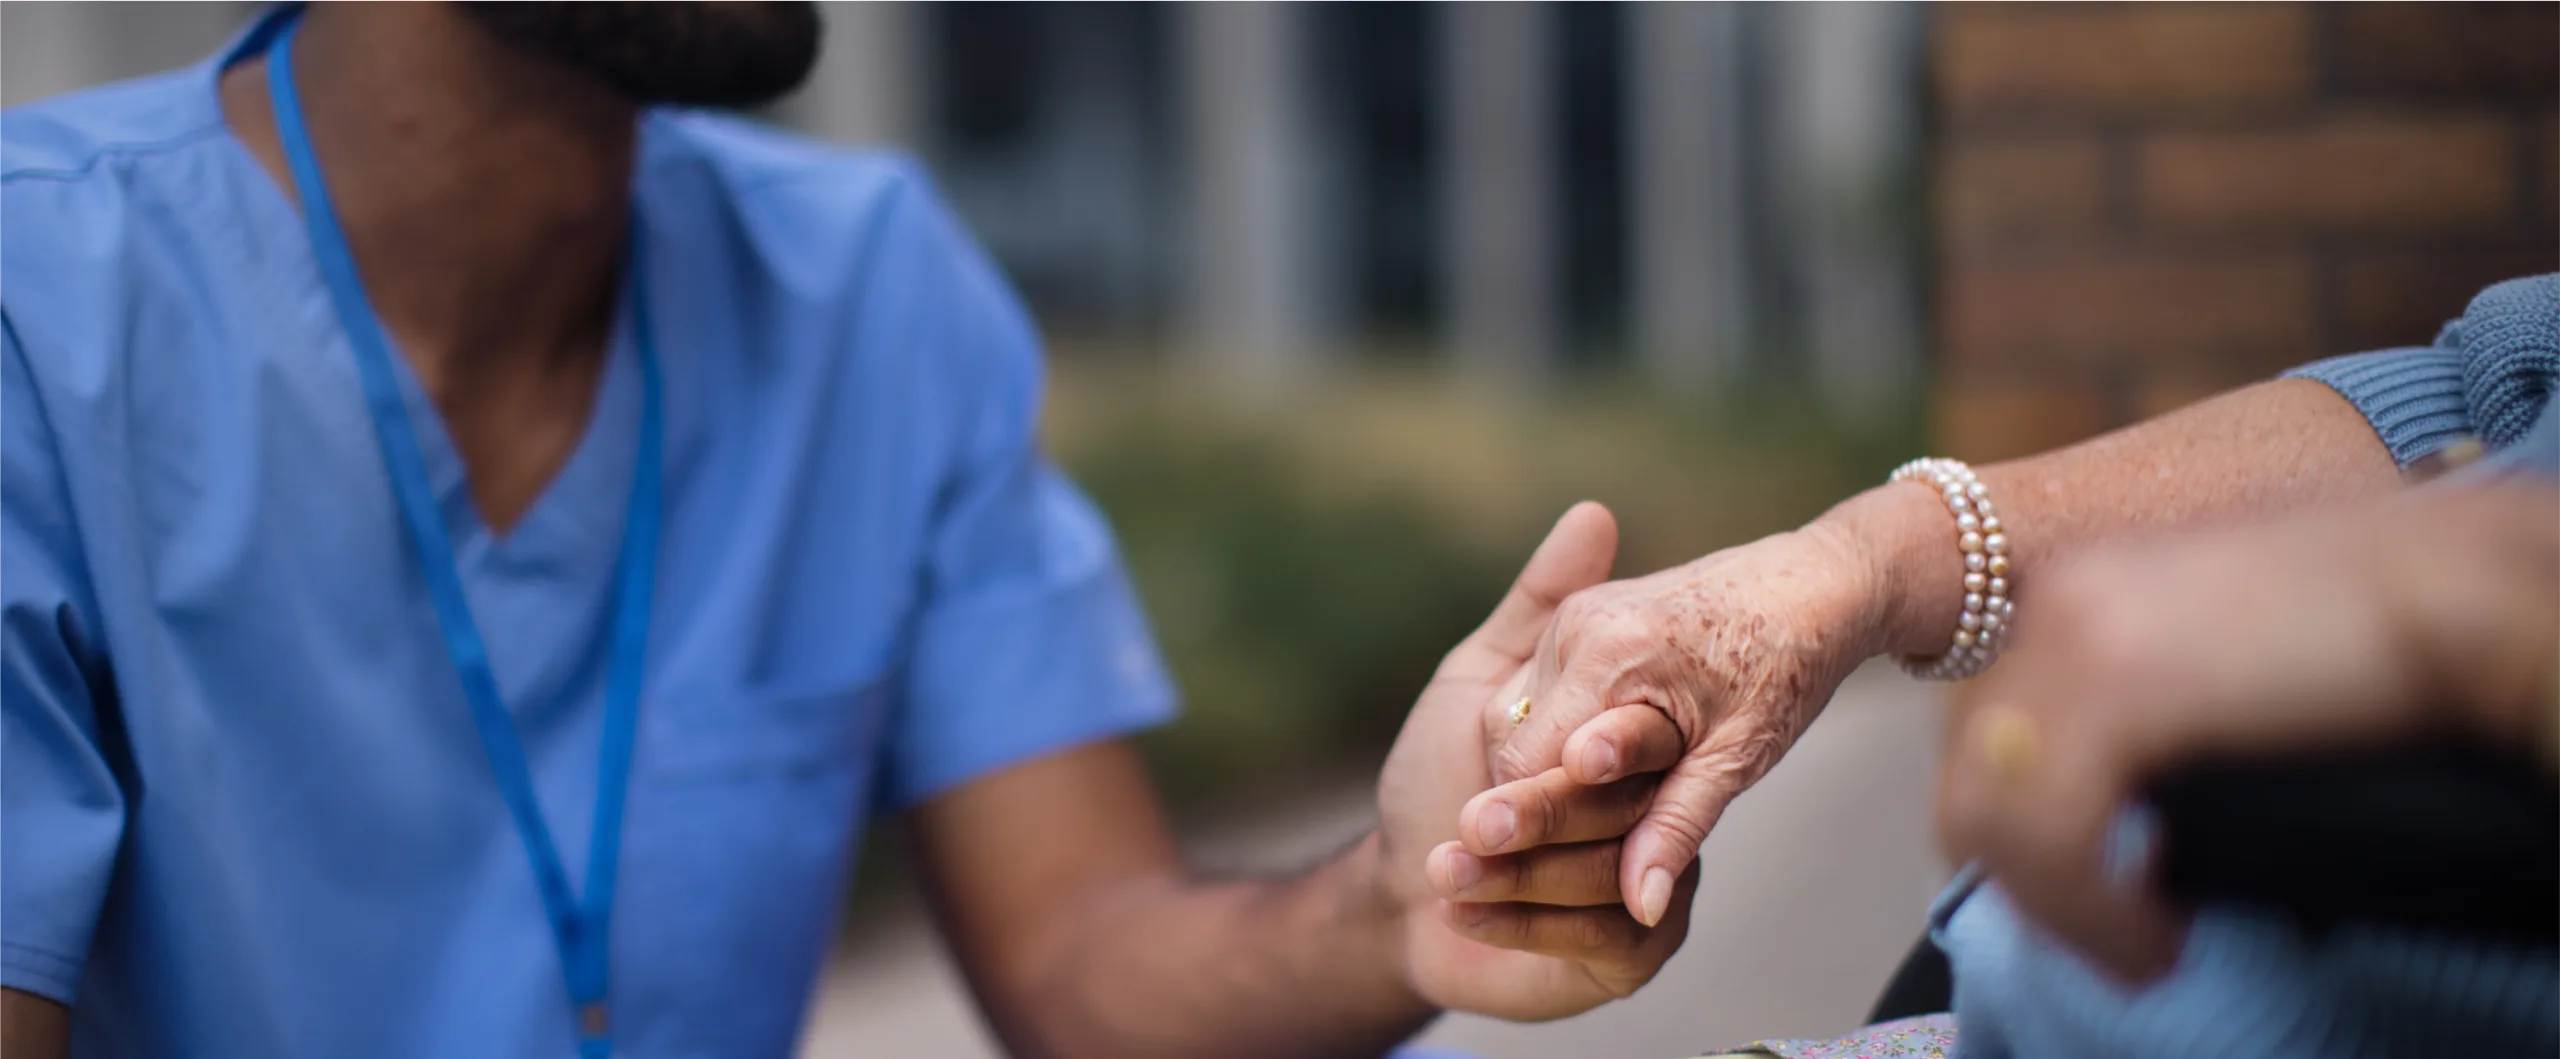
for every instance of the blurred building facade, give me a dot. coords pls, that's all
(2067, 216)
(1703, 191)
(2139, 205)
(1705, 194)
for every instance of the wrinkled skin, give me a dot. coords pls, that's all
(1511, 960)
(1741, 649)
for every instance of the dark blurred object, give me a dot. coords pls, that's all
(2450, 836)
(1924, 985)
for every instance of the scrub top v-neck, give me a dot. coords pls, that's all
(578, 913)
(248, 814)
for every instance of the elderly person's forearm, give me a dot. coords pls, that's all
(1743, 647)
(2278, 446)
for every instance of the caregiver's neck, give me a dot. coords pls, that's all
(486, 196)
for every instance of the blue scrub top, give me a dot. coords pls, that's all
(246, 814)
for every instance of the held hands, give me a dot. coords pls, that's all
(1711, 670)
(1519, 937)
(2431, 612)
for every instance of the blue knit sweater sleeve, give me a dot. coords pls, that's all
(2488, 374)
(2413, 397)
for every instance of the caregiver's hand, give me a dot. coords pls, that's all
(1739, 649)
(2434, 611)
(1510, 937)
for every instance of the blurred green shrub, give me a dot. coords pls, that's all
(1306, 559)
(1299, 631)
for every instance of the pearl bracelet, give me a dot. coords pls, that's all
(1982, 628)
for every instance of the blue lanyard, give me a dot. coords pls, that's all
(580, 930)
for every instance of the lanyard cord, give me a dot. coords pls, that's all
(580, 930)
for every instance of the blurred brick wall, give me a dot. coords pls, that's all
(2140, 205)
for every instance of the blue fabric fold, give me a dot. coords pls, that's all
(2488, 374)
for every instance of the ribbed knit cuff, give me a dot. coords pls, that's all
(2413, 397)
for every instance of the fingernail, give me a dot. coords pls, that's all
(1496, 824)
(1465, 870)
(1656, 897)
(1472, 915)
(1600, 760)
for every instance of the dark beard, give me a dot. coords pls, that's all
(689, 54)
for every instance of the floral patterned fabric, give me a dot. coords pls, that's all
(1923, 1037)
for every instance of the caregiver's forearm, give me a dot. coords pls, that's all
(32, 1027)
(1061, 891)
(2278, 446)
(1303, 966)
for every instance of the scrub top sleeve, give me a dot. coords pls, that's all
(1029, 639)
(65, 809)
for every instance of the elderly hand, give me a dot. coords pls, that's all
(1515, 937)
(1741, 649)
(2435, 611)
(1737, 651)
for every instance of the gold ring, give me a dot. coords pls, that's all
(1519, 711)
(2009, 743)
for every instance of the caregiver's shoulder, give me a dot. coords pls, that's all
(816, 211)
(68, 136)
(858, 237)
(91, 182)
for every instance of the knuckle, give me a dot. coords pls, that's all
(1622, 974)
(1590, 932)
(1620, 644)
(1684, 823)
(1569, 876)
(1532, 597)
(1632, 796)
(1578, 609)
(1654, 724)
(1599, 872)
(1621, 985)
(1747, 751)
(1513, 761)
(1541, 814)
